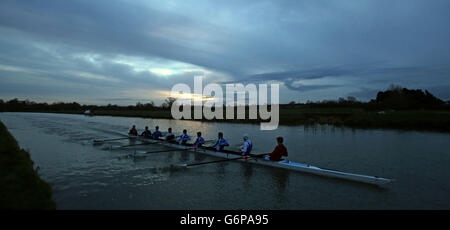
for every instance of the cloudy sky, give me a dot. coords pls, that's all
(122, 52)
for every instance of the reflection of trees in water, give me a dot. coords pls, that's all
(310, 128)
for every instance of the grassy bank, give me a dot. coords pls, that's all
(21, 186)
(357, 118)
(427, 120)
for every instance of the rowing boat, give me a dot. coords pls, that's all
(284, 164)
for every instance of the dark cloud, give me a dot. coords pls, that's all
(372, 72)
(310, 46)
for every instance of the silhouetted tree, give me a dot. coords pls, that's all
(394, 87)
(168, 102)
(395, 98)
(351, 99)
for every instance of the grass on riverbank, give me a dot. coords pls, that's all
(21, 186)
(358, 118)
(427, 120)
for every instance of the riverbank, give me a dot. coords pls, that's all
(419, 120)
(21, 186)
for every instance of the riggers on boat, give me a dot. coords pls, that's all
(284, 164)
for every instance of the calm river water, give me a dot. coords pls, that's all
(85, 176)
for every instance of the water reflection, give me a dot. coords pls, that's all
(185, 156)
(57, 144)
(199, 157)
(247, 174)
(220, 175)
(280, 178)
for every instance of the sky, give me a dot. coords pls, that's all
(124, 52)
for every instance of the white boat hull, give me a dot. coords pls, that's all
(283, 164)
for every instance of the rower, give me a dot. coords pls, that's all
(133, 131)
(157, 134)
(146, 133)
(247, 149)
(221, 142)
(200, 141)
(169, 135)
(183, 138)
(278, 152)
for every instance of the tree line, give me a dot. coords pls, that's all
(395, 97)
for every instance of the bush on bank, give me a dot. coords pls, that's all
(21, 186)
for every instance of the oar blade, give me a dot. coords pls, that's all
(105, 140)
(115, 147)
(181, 165)
(253, 156)
(140, 152)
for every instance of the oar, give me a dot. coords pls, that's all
(148, 152)
(159, 151)
(218, 161)
(105, 140)
(209, 148)
(124, 146)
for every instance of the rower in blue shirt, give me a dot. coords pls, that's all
(247, 149)
(200, 141)
(221, 142)
(169, 135)
(157, 134)
(146, 133)
(183, 138)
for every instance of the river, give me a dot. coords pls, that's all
(87, 176)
